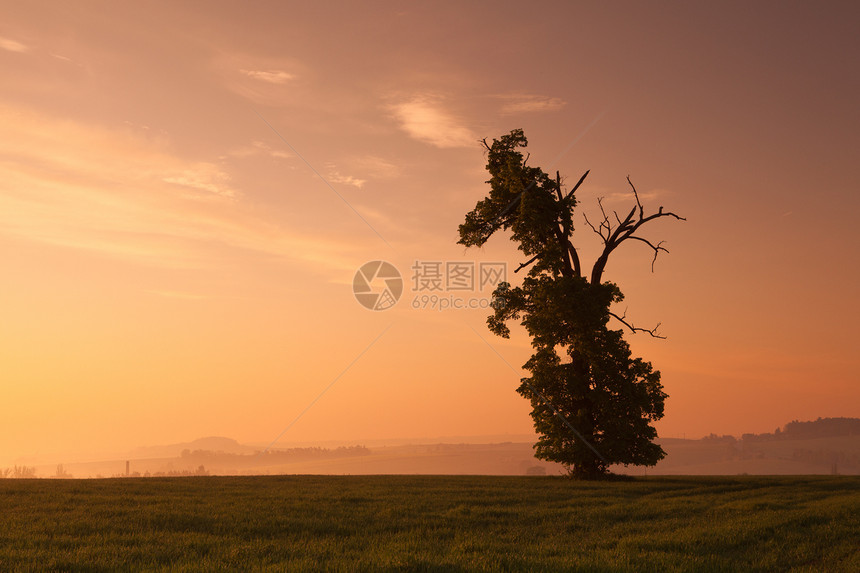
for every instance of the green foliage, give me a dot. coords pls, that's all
(435, 523)
(521, 199)
(603, 392)
(582, 372)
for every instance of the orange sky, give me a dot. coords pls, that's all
(171, 268)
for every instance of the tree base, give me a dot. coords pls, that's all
(605, 475)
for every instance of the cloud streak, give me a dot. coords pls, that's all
(258, 148)
(269, 76)
(426, 120)
(336, 177)
(530, 103)
(13, 46)
(205, 177)
(125, 197)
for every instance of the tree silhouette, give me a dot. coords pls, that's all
(592, 402)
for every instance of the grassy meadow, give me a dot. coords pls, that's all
(436, 523)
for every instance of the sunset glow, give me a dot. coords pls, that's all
(188, 189)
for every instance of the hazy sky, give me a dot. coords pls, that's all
(188, 188)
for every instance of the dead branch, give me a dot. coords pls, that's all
(578, 183)
(527, 263)
(657, 248)
(587, 222)
(635, 194)
(635, 329)
(626, 228)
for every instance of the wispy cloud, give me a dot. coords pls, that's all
(368, 166)
(425, 119)
(270, 76)
(12, 45)
(616, 196)
(205, 177)
(336, 177)
(261, 79)
(375, 167)
(268, 150)
(529, 103)
(67, 60)
(258, 148)
(124, 196)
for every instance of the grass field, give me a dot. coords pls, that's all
(439, 523)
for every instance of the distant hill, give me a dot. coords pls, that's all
(820, 428)
(210, 444)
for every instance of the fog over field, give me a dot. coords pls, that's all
(799, 449)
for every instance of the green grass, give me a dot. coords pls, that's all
(439, 523)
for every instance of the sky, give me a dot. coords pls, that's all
(187, 190)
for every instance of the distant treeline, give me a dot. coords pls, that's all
(18, 472)
(820, 428)
(829, 450)
(200, 471)
(272, 456)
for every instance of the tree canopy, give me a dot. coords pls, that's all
(593, 404)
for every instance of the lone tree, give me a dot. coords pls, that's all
(592, 402)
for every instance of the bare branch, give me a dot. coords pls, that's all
(657, 248)
(638, 202)
(587, 222)
(600, 204)
(626, 229)
(578, 183)
(660, 213)
(635, 329)
(527, 263)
